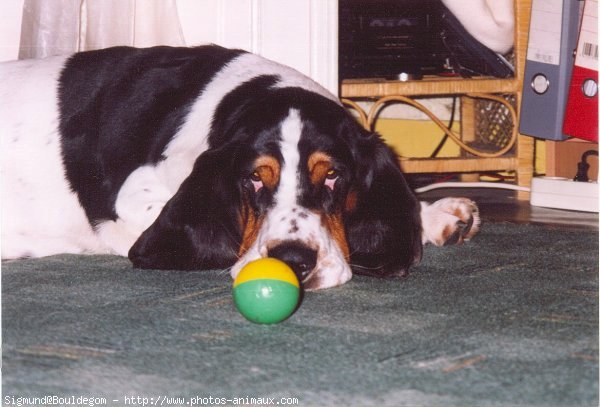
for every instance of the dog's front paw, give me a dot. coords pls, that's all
(449, 221)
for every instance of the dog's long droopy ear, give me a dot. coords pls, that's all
(384, 227)
(198, 228)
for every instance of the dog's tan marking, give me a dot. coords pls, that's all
(250, 225)
(268, 169)
(319, 167)
(335, 226)
(351, 201)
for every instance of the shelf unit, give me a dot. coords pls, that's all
(518, 157)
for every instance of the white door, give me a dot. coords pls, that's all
(299, 33)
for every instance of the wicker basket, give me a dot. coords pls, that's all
(493, 124)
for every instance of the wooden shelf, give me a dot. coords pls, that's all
(519, 159)
(428, 86)
(462, 165)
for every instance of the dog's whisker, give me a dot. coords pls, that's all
(359, 266)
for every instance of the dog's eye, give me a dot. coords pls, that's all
(256, 181)
(330, 178)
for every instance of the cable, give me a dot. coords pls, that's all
(471, 185)
(583, 166)
(450, 124)
(381, 102)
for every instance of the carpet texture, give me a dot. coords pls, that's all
(511, 318)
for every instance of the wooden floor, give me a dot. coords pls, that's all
(498, 205)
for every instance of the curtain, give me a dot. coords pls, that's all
(64, 26)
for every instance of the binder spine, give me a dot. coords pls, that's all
(552, 41)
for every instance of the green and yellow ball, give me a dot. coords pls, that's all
(266, 291)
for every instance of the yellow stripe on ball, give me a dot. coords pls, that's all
(267, 268)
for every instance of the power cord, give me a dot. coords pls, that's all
(582, 176)
(583, 166)
(498, 185)
(445, 137)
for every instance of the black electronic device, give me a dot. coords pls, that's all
(393, 39)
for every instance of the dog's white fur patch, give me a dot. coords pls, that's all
(444, 217)
(40, 214)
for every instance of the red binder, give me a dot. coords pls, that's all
(581, 115)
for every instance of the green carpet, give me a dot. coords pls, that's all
(511, 318)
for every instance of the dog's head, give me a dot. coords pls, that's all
(290, 175)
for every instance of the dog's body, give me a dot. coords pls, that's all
(198, 158)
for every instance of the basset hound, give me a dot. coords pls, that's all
(204, 158)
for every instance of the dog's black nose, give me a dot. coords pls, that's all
(299, 257)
